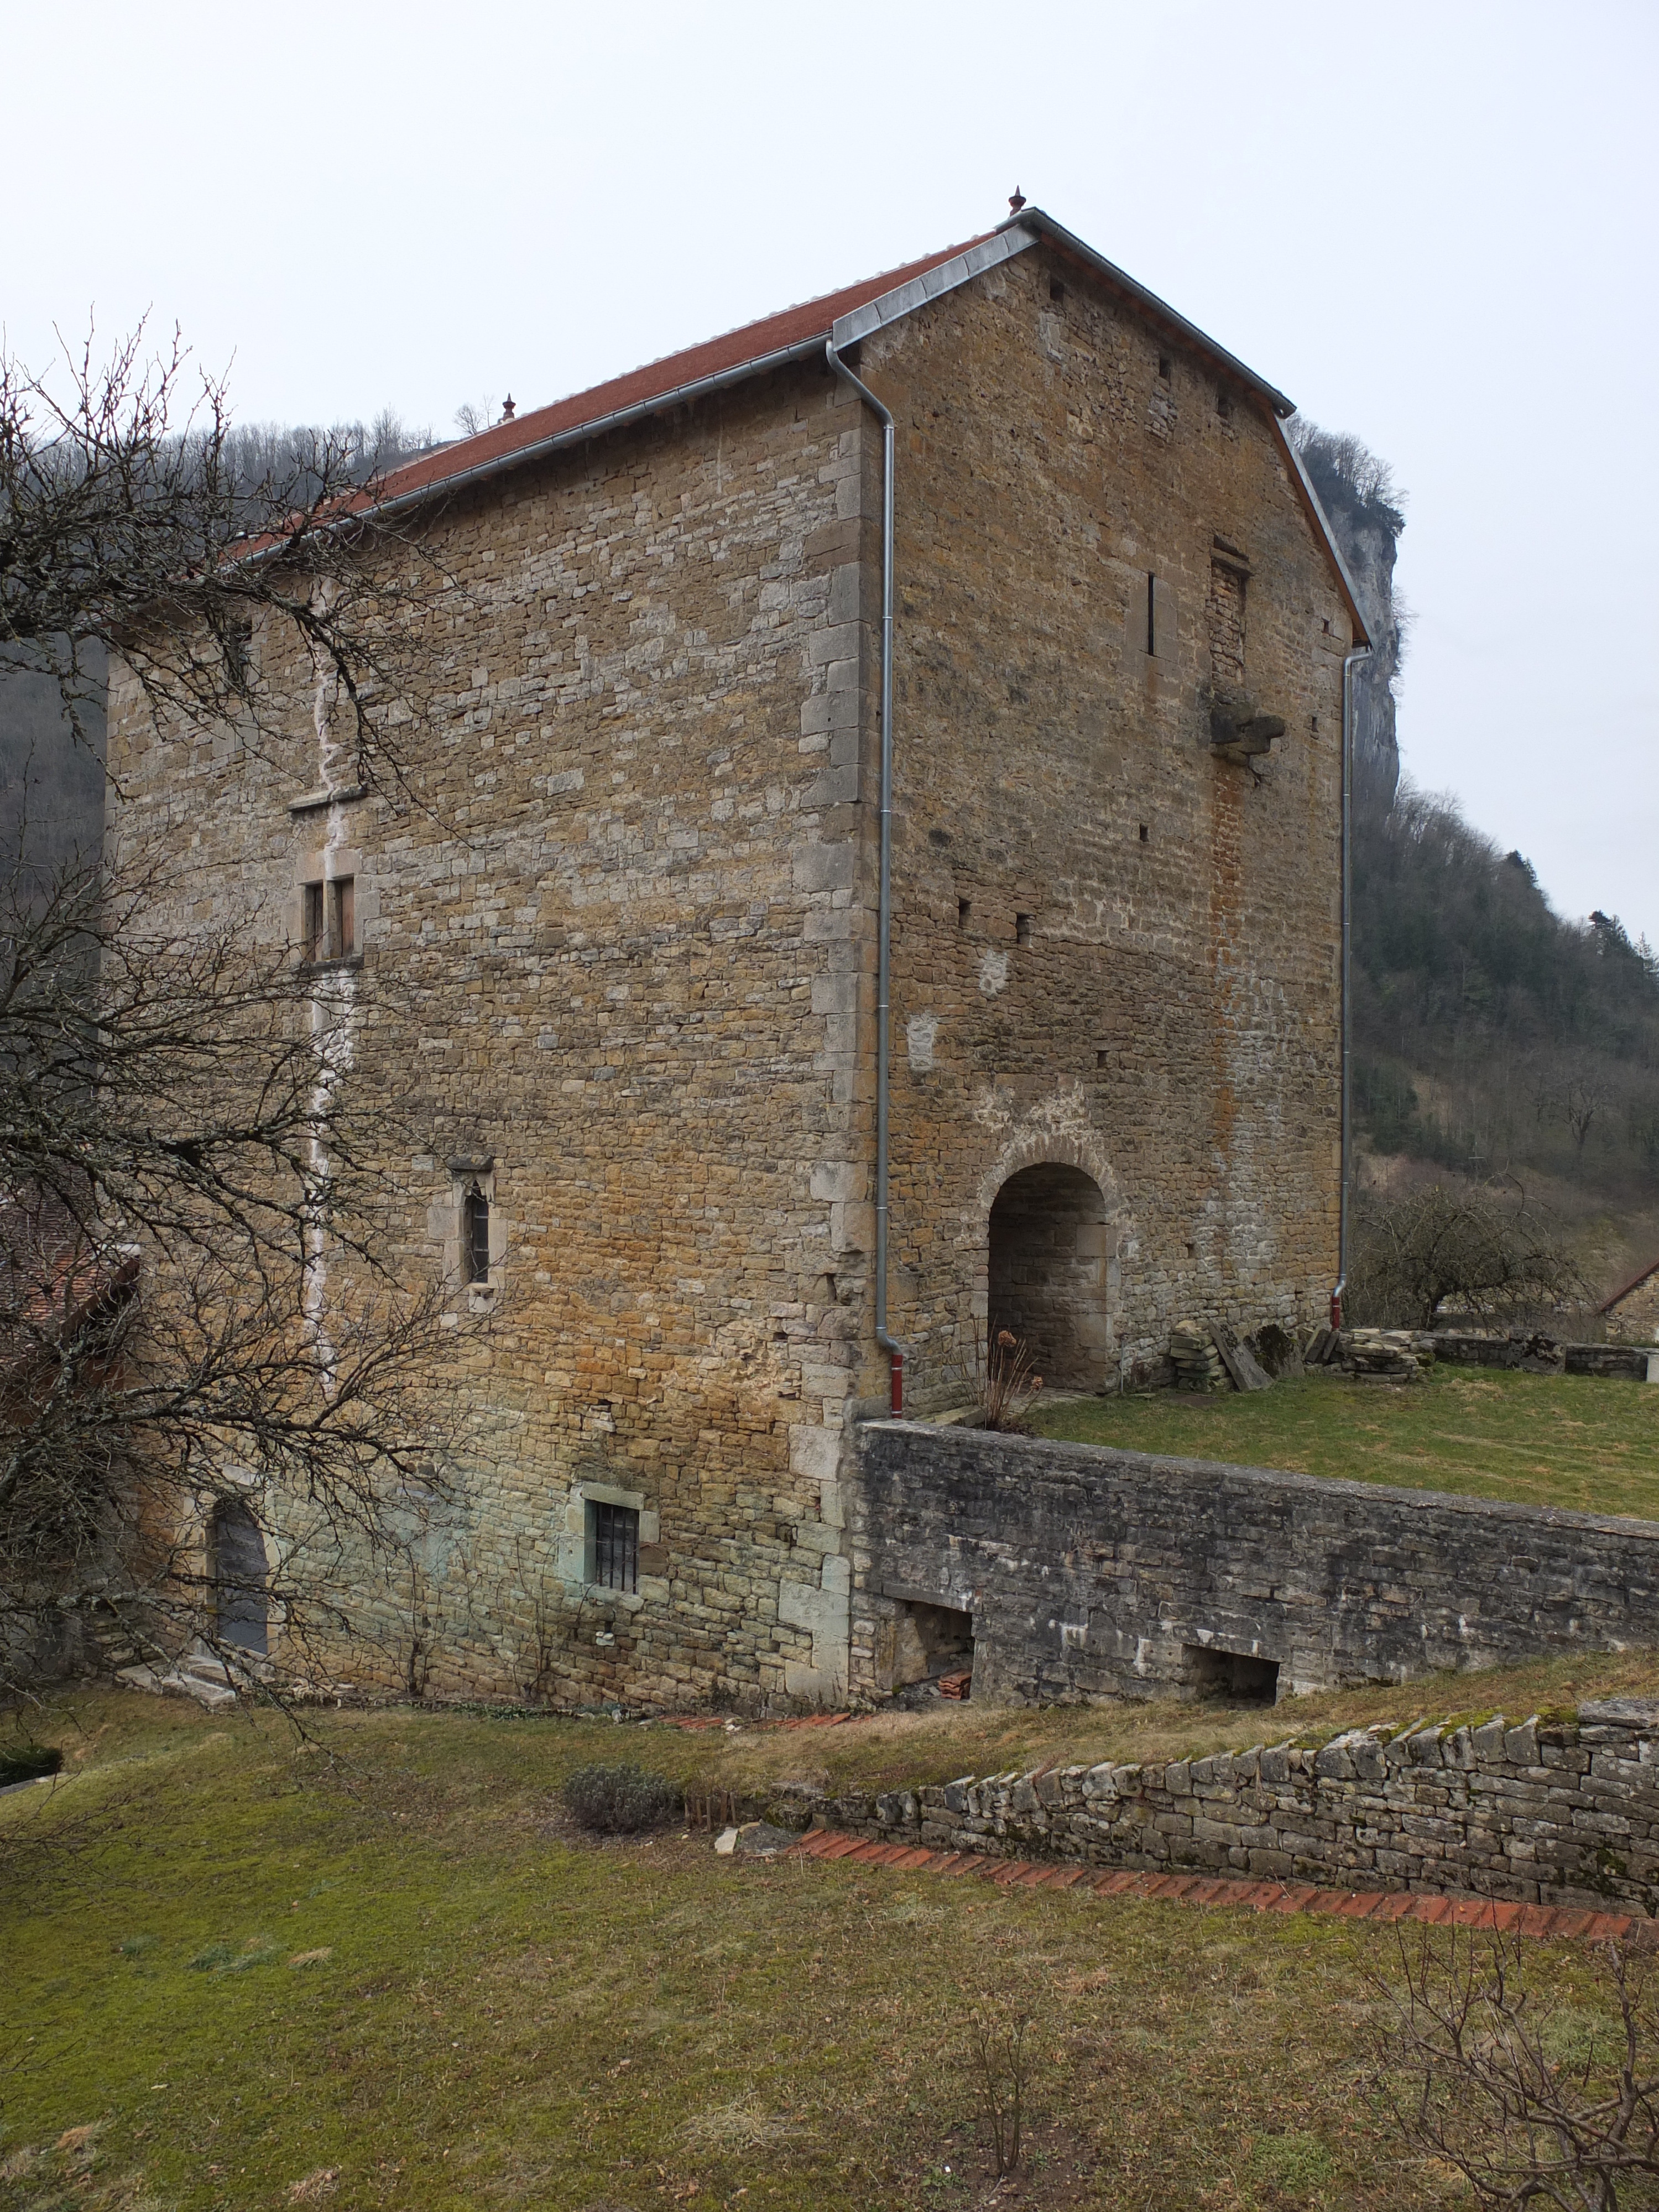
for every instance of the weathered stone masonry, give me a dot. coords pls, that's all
(1559, 1811)
(619, 942)
(1089, 1572)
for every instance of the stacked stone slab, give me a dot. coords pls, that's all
(1559, 1810)
(1198, 1365)
(1399, 1354)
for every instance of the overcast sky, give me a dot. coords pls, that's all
(1431, 224)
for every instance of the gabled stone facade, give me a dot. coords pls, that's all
(629, 905)
(1632, 1314)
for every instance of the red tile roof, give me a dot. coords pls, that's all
(754, 342)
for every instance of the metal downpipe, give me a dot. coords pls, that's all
(1340, 1290)
(888, 1344)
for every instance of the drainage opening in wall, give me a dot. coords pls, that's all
(932, 1650)
(1231, 1678)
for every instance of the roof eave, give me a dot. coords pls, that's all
(579, 434)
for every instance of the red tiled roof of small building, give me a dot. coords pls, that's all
(1634, 1284)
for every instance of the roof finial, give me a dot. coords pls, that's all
(1015, 201)
(507, 408)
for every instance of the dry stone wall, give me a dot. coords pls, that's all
(1089, 1572)
(1559, 1810)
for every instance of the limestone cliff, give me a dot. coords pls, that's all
(1357, 493)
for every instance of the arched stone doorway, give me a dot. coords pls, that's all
(237, 1566)
(1051, 1246)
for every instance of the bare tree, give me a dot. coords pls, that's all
(215, 1357)
(204, 1309)
(1582, 1100)
(1483, 1249)
(137, 520)
(1533, 2101)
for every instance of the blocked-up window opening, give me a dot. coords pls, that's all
(1049, 1273)
(1231, 1678)
(237, 1570)
(1224, 611)
(475, 1235)
(933, 1644)
(1160, 617)
(616, 1546)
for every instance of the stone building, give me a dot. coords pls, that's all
(633, 887)
(1632, 1313)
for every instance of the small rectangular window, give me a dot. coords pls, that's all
(963, 909)
(1149, 625)
(311, 921)
(1022, 929)
(1164, 367)
(1056, 290)
(616, 1546)
(475, 1235)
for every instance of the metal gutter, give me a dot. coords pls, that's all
(888, 1343)
(1340, 1289)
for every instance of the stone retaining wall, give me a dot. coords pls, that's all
(1556, 1811)
(1086, 1572)
(1477, 1348)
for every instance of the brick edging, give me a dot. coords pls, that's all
(1556, 1923)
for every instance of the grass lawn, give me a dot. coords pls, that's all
(382, 1970)
(1568, 1440)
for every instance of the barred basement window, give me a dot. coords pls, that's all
(475, 1235)
(616, 1546)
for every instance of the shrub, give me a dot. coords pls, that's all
(1004, 1385)
(619, 1800)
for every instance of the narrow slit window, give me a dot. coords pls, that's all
(311, 921)
(965, 908)
(1152, 612)
(475, 1235)
(343, 917)
(1164, 367)
(616, 1546)
(1022, 929)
